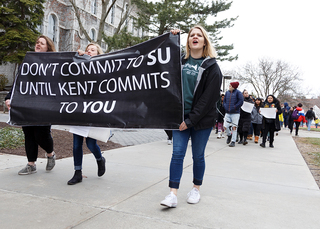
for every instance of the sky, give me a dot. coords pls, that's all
(287, 30)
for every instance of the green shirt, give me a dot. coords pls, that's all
(189, 79)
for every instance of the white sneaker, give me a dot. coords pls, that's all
(193, 196)
(222, 135)
(170, 201)
(219, 135)
(169, 142)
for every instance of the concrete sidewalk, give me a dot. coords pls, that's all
(244, 187)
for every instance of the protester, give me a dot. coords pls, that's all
(92, 49)
(285, 113)
(316, 121)
(37, 135)
(232, 102)
(221, 113)
(310, 116)
(256, 119)
(244, 121)
(201, 77)
(298, 117)
(290, 119)
(270, 125)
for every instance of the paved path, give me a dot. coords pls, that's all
(244, 187)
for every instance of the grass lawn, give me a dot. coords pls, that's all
(312, 129)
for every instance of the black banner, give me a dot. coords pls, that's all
(138, 87)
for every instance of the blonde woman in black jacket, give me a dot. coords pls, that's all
(202, 79)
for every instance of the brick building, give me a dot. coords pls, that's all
(61, 25)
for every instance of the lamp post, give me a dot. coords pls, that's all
(224, 81)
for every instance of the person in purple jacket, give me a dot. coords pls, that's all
(232, 103)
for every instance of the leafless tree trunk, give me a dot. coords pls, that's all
(105, 12)
(269, 77)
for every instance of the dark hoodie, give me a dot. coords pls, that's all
(274, 104)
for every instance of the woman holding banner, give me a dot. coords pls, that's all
(92, 49)
(37, 135)
(202, 79)
(244, 121)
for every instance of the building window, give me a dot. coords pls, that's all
(112, 14)
(132, 28)
(92, 34)
(127, 19)
(52, 28)
(94, 6)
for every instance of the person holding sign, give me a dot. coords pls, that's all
(245, 118)
(270, 124)
(232, 103)
(201, 77)
(256, 119)
(92, 49)
(37, 135)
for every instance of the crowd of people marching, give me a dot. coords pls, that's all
(242, 124)
(240, 117)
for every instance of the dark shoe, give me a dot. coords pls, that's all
(245, 142)
(271, 145)
(232, 144)
(229, 139)
(240, 142)
(101, 166)
(263, 145)
(77, 178)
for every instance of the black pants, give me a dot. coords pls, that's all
(297, 127)
(169, 133)
(268, 127)
(256, 129)
(37, 136)
(290, 125)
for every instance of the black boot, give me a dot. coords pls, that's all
(77, 178)
(101, 166)
(245, 142)
(263, 145)
(229, 139)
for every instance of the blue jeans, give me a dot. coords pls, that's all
(78, 152)
(309, 123)
(199, 139)
(231, 120)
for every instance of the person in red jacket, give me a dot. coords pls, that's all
(300, 119)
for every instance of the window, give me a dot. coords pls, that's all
(92, 34)
(127, 20)
(112, 14)
(94, 6)
(52, 27)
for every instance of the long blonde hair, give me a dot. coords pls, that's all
(208, 49)
(99, 49)
(50, 43)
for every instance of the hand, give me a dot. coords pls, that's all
(8, 101)
(183, 126)
(175, 31)
(81, 53)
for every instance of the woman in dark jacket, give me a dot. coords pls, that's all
(201, 77)
(290, 119)
(244, 121)
(37, 135)
(270, 125)
(256, 119)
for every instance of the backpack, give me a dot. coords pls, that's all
(295, 114)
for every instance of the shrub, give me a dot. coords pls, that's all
(11, 138)
(3, 81)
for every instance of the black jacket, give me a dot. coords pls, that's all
(206, 94)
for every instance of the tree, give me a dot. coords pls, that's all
(162, 16)
(270, 77)
(122, 40)
(19, 20)
(105, 10)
